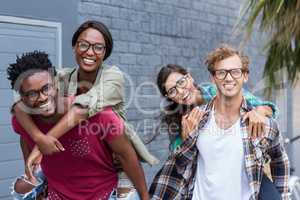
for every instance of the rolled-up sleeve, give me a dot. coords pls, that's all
(255, 101)
(108, 91)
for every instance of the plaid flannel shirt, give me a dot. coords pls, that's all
(176, 178)
(209, 91)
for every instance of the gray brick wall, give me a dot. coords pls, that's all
(150, 33)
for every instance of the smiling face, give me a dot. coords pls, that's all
(89, 61)
(183, 86)
(38, 92)
(229, 87)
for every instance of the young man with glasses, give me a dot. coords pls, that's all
(219, 160)
(84, 169)
(95, 86)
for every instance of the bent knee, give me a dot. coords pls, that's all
(22, 187)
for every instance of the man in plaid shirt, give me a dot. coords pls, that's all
(219, 160)
(209, 91)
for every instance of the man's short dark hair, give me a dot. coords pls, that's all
(28, 64)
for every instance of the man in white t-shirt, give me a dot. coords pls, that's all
(220, 161)
(222, 171)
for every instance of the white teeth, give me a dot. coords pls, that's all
(186, 96)
(89, 61)
(229, 86)
(45, 105)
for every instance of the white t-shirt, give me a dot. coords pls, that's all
(221, 173)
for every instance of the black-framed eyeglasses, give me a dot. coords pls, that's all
(181, 83)
(33, 95)
(84, 46)
(222, 73)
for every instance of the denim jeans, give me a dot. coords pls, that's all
(268, 190)
(35, 192)
(132, 195)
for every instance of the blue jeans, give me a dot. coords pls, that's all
(268, 190)
(35, 192)
(132, 195)
(124, 182)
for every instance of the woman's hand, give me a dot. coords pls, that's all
(32, 163)
(257, 119)
(49, 145)
(190, 122)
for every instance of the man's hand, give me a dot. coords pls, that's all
(49, 145)
(190, 122)
(33, 161)
(257, 125)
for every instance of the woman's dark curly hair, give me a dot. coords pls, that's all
(29, 62)
(99, 27)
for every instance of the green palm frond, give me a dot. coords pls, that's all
(280, 19)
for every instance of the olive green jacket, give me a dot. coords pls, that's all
(108, 90)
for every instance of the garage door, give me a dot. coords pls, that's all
(18, 35)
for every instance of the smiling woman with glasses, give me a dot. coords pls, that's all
(181, 83)
(177, 85)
